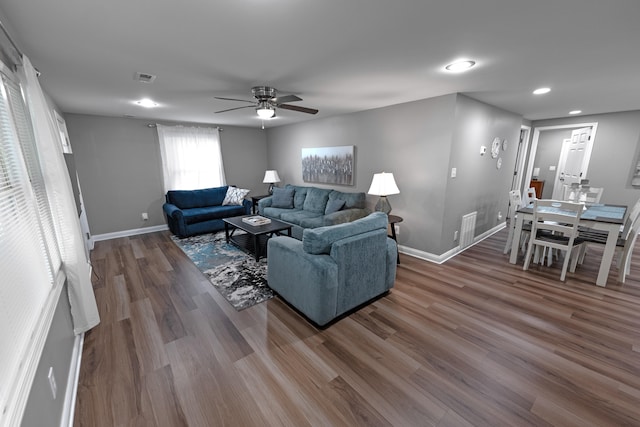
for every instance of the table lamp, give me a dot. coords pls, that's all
(271, 177)
(383, 185)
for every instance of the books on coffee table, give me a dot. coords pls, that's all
(256, 220)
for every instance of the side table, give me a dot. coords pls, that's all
(393, 220)
(255, 200)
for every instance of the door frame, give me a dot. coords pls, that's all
(523, 148)
(536, 137)
(518, 168)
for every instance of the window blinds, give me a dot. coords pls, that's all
(28, 262)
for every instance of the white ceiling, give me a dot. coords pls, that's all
(340, 56)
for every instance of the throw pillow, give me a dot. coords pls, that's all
(282, 198)
(334, 206)
(235, 196)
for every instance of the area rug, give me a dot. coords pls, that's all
(235, 274)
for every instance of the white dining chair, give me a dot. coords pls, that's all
(624, 245)
(590, 195)
(515, 203)
(570, 192)
(555, 226)
(624, 262)
(529, 196)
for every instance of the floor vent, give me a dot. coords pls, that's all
(467, 229)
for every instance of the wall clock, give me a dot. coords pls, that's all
(495, 148)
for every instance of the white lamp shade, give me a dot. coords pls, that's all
(265, 110)
(266, 113)
(271, 176)
(383, 184)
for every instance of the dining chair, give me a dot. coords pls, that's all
(529, 196)
(570, 192)
(624, 262)
(555, 226)
(624, 245)
(590, 195)
(515, 203)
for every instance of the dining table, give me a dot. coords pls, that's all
(597, 216)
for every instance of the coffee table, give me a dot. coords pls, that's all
(256, 237)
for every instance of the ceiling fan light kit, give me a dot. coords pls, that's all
(265, 110)
(266, 102)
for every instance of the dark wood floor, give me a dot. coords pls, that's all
(473, 342)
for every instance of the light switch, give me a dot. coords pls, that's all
(552, 167)
(454, 172)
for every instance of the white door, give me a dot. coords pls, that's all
(574, 159)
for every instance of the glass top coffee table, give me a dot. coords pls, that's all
(254, 240)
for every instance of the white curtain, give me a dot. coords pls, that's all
(84, 309)
(191, 157)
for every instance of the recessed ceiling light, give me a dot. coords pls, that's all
(541, 91)
(460, 66)
(146, 103)
(575, 112)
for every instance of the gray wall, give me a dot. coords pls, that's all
(119, 166)
(42, 409)
(419, 142)
(479, 185)
(615, 150)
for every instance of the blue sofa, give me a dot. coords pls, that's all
(191, 212)
(312, 207)
(333, 269)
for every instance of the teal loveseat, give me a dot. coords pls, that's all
(312, 207)
(333, 269)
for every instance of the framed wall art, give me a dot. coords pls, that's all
(328, 165)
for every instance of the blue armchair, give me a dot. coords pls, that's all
(334, 269)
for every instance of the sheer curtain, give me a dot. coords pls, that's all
(191, 157)
(84, 309)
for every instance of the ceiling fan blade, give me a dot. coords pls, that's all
(231, 109)
(297, 108)
(287, 98)
(234, 99)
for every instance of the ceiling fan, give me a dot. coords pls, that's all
(266, 101)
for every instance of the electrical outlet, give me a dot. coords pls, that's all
(499, 216)
(454, 172)
(455, 236)
(397, 228)
(52, 382)
(145, 216)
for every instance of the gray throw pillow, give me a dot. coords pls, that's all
(334, 206)
(234, 196)
(282, 198)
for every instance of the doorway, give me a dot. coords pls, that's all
(576, 156)
(518, 170)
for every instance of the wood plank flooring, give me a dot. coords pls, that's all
(475, 341)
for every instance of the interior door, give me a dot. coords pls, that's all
(572, 165)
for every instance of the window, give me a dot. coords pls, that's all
(29, 257)
(191, 157)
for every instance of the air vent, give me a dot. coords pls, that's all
(145, 77)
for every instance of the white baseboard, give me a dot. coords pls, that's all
(69, 408)
(127, 233)
(439, 259)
